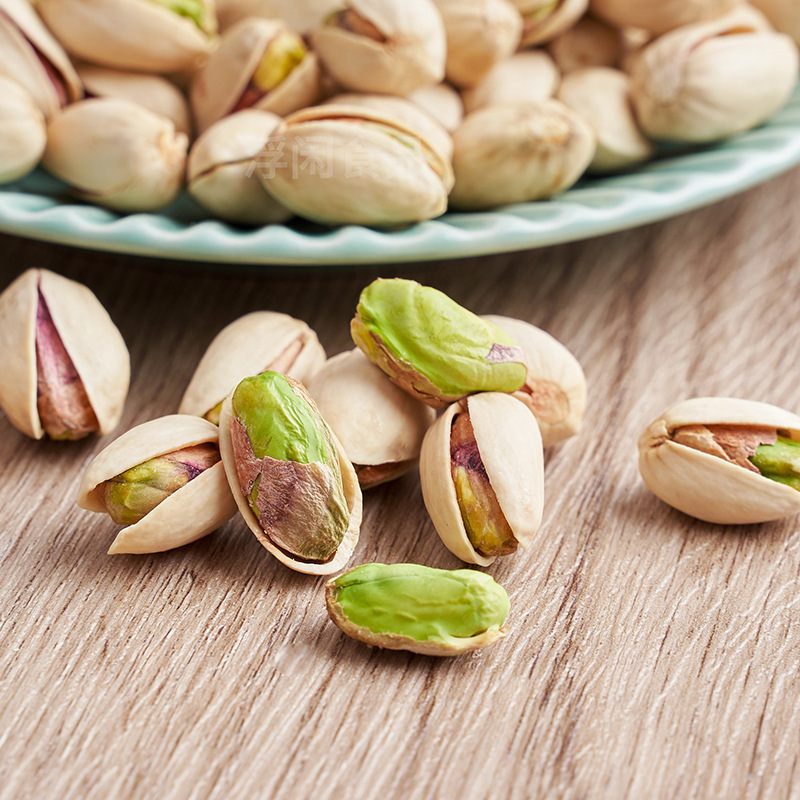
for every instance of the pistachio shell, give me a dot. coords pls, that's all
(555, 387)
(204, 504)
(442, 102)
(660, 16)
(23, 133)
(137, 35)
(784, 15)
(510, 446)
(377, 423)
(301, 17)
(251, 344)
(590, 43)
(707, 486)
(88, 334)
(543, 20)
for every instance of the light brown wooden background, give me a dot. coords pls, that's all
(650, 655)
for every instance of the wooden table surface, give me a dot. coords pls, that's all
(650, 655)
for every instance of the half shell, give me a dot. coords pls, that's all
(23, 133)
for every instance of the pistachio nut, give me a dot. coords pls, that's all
(555, 386)
(117, 154)
(379, 425)
(31, 56)
(482, 473)
(442, 102)
(64, 365)
(430, 346)
(302, 17)
(164, 481)
(601, 95)
(23, 133)
(591, 42)
(529, 76)
(543, 20)
(291, 479)
(354, 165)
(724, 460)
(480, 33)
(257, 342)
(383, 46)
(784, 15)
(435, 612)
(152, 92)
(660, 16)
(518, 153)
(219, 175)
(139, 35)
(259, 64)
(710, 80)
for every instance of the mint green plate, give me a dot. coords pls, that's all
(40, 208)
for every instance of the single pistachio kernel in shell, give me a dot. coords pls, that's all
(194, 10)
(421, 609)
(432, 347)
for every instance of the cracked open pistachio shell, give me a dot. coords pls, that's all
(219, 169)
(480, 33)
(430, 346)
(724, 460)
(343, 164)
(290, 477)
(23, 133)
(379, 425)
(64, 366)
(256, 342)
(164, 481)
(31, 56)
(555, 386)
(660, 16)
(704, 82)
(117, 154)
(591, 42)
(482, 474)
(140, 35)
(784, 15)
(442, 102)
(435, 612)
(383, 46)
(518, 153)
(302, 17)
(543, 20)
(259, 64)
(601, 95)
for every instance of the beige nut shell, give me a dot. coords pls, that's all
(90, 337)
(352, 496)
(562, 16)
(23, 134)
(708, 487)
(660, 16)
(510, 446)
(201, 506)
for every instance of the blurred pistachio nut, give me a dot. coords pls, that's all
(290, 478)
(430, 346)
(259, 64)
(64, 365)
(660, 16)
(480, 33)
(482, 474)
(339, 165)
(117, 154)
(591, 42)
(555, 386)
(30, 56)
(302, 17)
(383, 46)
(139, 35)
(23, 133)
(379, 425)
(601, 95)
(442, 102)
(544, 20)
(257, 342)
(220, 169)
(710, 80)
(784, 15)
(164, 481)
(724, 460)
(519, 153)
(434, 612)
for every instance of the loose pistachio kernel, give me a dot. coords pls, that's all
(191, 9)
(282, 55)
(780, 461)
(431, 346)
(418, 608)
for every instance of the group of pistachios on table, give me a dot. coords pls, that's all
(373, 112)
(271, 430)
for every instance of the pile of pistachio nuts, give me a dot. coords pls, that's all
(373, 112)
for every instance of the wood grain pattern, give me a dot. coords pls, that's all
(650, 655)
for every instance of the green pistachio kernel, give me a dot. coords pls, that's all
(779, 462)
(417, 608)
(282, 55)
(431, 346)
(195, 10)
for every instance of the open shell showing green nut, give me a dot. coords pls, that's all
(64, 366)
(434, 612)
(164, 481)
(482, 474)
(724, 460)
